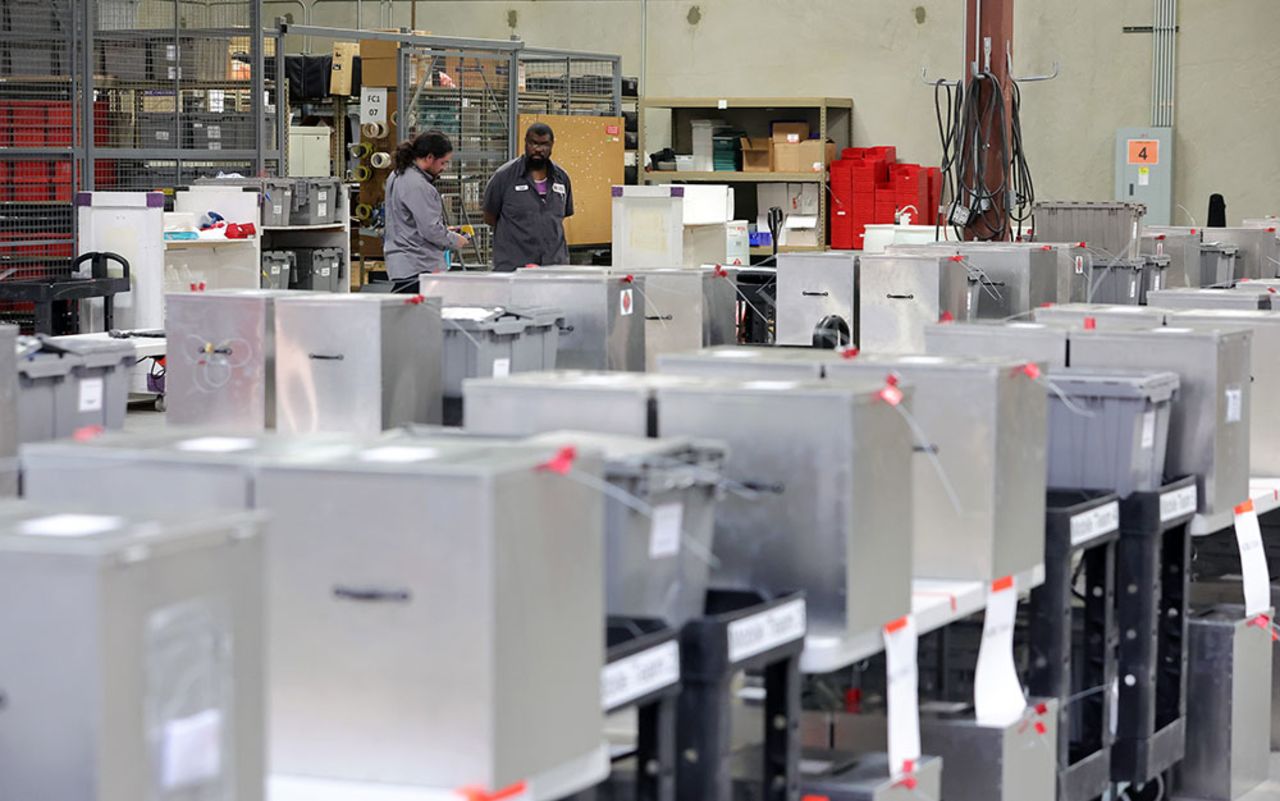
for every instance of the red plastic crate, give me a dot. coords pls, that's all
(58, 119)
(28, 123)
(935, 193)
(29, 172)
(104, 174)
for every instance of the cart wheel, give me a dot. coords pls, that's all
(159, 403)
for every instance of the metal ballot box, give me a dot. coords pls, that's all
(1209, 427)
(813, 288)
(1228, 705)
(361, 363)
(1256, 250)
(1033, 342)
(8, 411)
(1264, 368)
(826, 476)
(1104, 315)
(452, 619)
(1073, 264)
(1241, 298)
(220, 364)
(604, 315)
(172, 471)
(132, 664)
(1020, 277)
(979, 480)
(566, 400)
(741, 361)
(720, 305)
(901, 294)
(1183, 250)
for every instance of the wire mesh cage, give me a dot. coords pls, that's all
(553, 82)
(39, 143)
(178, 94)
(469, 96)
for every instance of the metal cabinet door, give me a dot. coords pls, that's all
(329, 367)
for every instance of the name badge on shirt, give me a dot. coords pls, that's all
(558, 188)
(522, 187)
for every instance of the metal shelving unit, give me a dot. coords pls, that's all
(830, 117)
(569, 82)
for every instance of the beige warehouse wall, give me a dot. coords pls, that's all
(872, 50)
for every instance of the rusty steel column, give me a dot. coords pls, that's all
(989, 37)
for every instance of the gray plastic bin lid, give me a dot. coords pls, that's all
(501, 319)
(94, 352)
(1155, 386)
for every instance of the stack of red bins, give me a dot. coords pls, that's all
(869, 186)
(40, 124)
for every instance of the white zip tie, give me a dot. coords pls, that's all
(928, 449)
(1062, 396)
(463, 331)
(648, 303)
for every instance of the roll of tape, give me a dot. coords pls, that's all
(361, 149)
(374, 130)
(362, 173)
(380, 160)
(364, 211)
(395, 118)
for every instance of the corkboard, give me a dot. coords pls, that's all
(590, 149)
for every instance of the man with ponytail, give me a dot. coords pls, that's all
(416, 235)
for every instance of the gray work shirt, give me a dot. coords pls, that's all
(416, 237)
(530, 228)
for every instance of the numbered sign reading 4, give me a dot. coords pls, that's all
(1144, 151)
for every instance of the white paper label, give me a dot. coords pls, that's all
(722, 104)
(1133, 286)
(1079, 265)
(1159, 247)
(192, 750)
(1178, 503)
(277, 209)
(1144, 178)
(997, 695)
(501, 368)
(322, 210)
(665, 529)
(627, 303)
(1235, 401)
(903, 695)
(216, 100)
(760, 632)
(91, 390)
(213, 131)
(1095, 523)
(1253, 561)
(793, 139)
(639, 675)
(162, 136)
(373, 105)
(214, 146)
(1149, 430)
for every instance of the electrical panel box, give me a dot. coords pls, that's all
(1144, 171)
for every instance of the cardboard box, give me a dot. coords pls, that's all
(378, 63)
(810, 155)
(757, 154)
(789, 132)
(344, 56)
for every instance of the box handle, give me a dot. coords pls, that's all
(660, 317)
(371, 595)
(892, 296)
(322, 357)
(808, 294)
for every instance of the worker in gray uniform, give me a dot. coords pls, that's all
(526, 203)
(416, 237)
